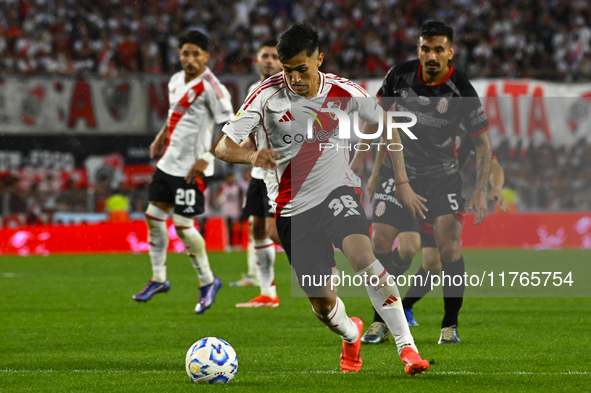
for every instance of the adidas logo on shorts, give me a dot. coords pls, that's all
(188, 209)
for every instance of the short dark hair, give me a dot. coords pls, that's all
(272, 43)
(433, 28)
(298, 38)
(194, 37)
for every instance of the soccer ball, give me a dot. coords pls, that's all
(211, 360)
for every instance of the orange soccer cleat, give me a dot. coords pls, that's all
(260, 301)
(350, 355)
(413, 362)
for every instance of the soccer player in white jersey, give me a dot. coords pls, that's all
(314, 190)
(257, 206)
(197, 102)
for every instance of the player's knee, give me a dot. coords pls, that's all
(407, 250)
(259, 228)
(181, 222)
(432, 265)
(381, 242)
(449, 252)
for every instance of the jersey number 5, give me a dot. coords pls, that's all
(453, 203)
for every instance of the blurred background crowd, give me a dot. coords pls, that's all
(543, 39)
(547, 39)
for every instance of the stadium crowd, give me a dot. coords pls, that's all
(547, 39)
(543, 178)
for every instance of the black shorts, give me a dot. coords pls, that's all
(257, 203)
(308, 238)
(427, 235)
(387, 209)
(443, 194)
(188, 199)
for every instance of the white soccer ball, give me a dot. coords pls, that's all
(211, 360)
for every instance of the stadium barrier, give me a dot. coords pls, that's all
(533, 231)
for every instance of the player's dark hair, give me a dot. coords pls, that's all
(298, 38)
(272, 43)
(433, 28)
(194, 37)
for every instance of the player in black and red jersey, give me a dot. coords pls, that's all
(442, 99)
(378, 331)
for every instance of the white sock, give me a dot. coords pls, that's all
(195, 244)
(158, 240)
(386, 300)
(265, 256)
(251, 255)
(338, 321)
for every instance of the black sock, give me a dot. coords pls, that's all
(400, 265)
(417, 292)
(386, 261)
(453, 295)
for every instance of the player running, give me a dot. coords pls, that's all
(442, 99)
(197, 101)
(258, 208)
(314, 192)
(378, 332)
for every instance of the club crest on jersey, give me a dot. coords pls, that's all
(403, 93)
(442, 105)
(333, 104)
(423, 100)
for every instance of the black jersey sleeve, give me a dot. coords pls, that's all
(386, 92)
(474, 119)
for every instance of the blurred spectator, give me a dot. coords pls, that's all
(516, 38)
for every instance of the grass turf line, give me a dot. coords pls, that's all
(69, 324)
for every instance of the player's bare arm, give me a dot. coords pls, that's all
(497, 180)
(229, 151)
(372, 183)
(483, 164)
(404, 193)
(157, 146)
(201, 165)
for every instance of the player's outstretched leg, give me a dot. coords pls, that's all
(158, 240)
(383, 293)
(250, 279)
(265, 252)
(331, 311)
(195, 245)
(448, 230)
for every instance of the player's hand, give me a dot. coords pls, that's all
(478, 203)
(265, 158)
(248, 145)
(372, 185)
(357, 165)
(196, 171)
(157, 147)
(413, 202)
(497, 197)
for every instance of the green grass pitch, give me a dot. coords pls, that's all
(68, 324)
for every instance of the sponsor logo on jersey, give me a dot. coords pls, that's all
(442, 105)
(380, 209)
(287, 117)
(333, 104)
(423, 100)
